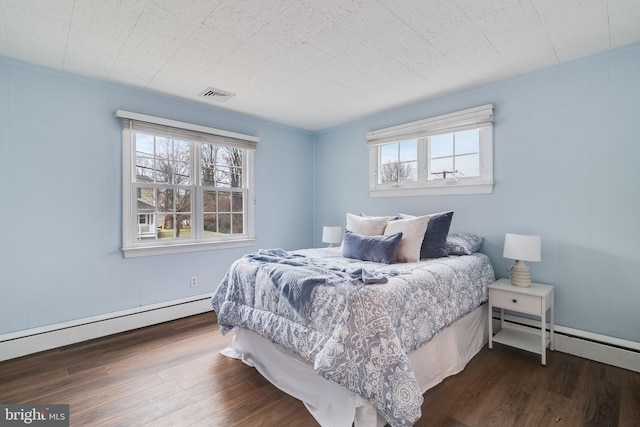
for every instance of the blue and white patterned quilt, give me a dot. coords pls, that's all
(356, 334)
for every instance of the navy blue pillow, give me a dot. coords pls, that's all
(435, 238)
(382, 249)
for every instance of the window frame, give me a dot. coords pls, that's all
(480, 117)
(195, 135)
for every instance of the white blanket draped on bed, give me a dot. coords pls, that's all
(358, 336)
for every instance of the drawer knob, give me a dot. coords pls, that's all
(514, 301)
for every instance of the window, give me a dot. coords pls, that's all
(185, 187)
(449, 154)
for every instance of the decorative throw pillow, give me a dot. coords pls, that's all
(382, 249)
(368, 226)
(463, 243)
(435, 238)
(413, 231)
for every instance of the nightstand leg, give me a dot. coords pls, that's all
(490, 310)
(543, 333)
(552, 322)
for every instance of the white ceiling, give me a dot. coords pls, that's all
(311, 64)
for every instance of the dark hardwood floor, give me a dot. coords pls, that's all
(173, 374)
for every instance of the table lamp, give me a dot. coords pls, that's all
(521, 248)
(331, 234)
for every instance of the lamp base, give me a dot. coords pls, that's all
(520, 274)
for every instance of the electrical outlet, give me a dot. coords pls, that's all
(194, 281)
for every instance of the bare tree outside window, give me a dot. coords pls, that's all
(221, 166)
(222, 169)
(398, 162)
(163, 160)
(397, 172)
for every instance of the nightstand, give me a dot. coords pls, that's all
(534, 300)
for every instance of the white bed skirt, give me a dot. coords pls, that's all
(333, 405)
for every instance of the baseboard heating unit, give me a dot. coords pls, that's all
(601, 348)
(21, 343)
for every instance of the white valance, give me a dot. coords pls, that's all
(471, 118)
(185, 131)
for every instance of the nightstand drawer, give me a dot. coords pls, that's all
(529, 304)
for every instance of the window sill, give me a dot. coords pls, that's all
(444, 190)
(142, 251)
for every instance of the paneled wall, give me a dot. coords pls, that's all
(61, 204)
(566, 166)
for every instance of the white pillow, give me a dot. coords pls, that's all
(413, 230)
(367, 225)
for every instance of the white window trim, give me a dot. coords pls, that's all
(130, 247)
(472, 118)
(179, 248)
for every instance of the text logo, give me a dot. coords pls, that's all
(34, 415)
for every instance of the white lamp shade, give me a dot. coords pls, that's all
(522, 247)
(332, 234)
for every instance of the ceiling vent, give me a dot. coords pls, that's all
(216, 94)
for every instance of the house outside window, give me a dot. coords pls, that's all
(185, 187)
(448, 154)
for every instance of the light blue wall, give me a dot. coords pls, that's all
(566, 153)
(60, 208)
(566, 166)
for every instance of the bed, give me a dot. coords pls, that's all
(357, 341)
